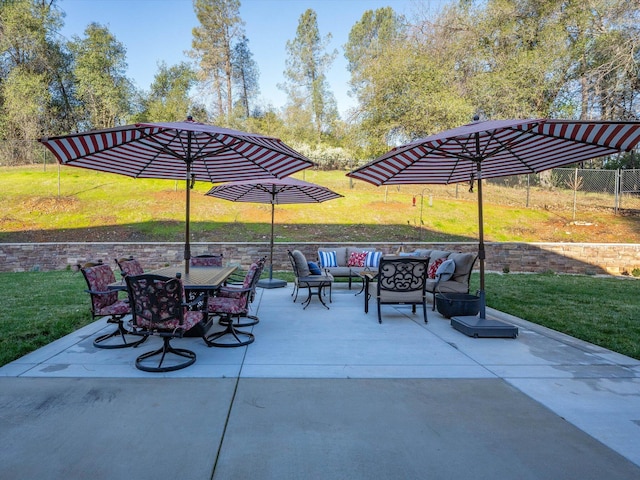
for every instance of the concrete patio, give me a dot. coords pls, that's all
(327, 394)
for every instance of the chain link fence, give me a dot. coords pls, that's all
(561, 189)
(567, 191)
(578, 188)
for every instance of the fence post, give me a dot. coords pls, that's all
(575, 192)
(616, 189)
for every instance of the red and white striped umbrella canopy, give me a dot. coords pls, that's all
(173, 150)
(179, 151)
(275, 191)
(498, 148)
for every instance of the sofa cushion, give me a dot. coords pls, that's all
(316, 280)
(445, 270)
(356, 259)
(328, 258)
(421, 252)
(342, 271)
(436, 254)
(464, 263)
(387, 296)
(301, 263)
(450, 286)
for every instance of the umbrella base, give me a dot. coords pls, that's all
(272, 283)
(475, 326)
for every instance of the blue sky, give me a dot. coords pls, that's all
(160, 30)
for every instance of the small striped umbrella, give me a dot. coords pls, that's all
(180, 151)
(497, 148)
(275, 192)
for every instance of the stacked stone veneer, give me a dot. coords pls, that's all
(581, 258)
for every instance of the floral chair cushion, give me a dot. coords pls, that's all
(159, 304)
(207, 261)
(228, 305)
(228, 301)
(98, 278)
(130, 266)
(235, 292)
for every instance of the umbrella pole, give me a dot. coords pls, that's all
(481, 252)
(273, 209)
(187, 246)
(480, 325)
(271, 283)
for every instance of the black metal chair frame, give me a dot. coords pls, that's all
(226, 318)
(177, 309)
(117, 319)
(402, 275)
(319, 281)
(250, 320)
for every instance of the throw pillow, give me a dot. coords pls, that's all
(372, 259)
(356, 259)
(445, 270)
(431, 273)
(314, 268)
(328, 259)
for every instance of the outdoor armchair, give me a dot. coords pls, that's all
(105, 302)
(129, 266)
(234, 302)
(400, 281)
(305, 279)
(159, 308)
(236, 291)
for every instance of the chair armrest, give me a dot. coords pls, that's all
(235, 289)
(99, 292)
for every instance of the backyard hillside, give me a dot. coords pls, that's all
(51, 203)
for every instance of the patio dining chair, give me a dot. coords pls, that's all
(208, 260)
(235, 291)
(400, 281)
(158, 307)
(105, 302)
(234, 302)
(129, 266)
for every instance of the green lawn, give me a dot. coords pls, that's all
(40, 307)
(70, 203)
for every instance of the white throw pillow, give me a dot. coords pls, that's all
(445, 271)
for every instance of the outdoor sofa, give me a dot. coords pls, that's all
(348, 262)
(454, 279)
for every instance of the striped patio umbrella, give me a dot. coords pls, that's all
(275, 192)
(186, 150)
(497, 148)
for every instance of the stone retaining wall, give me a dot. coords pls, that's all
(580, 258)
